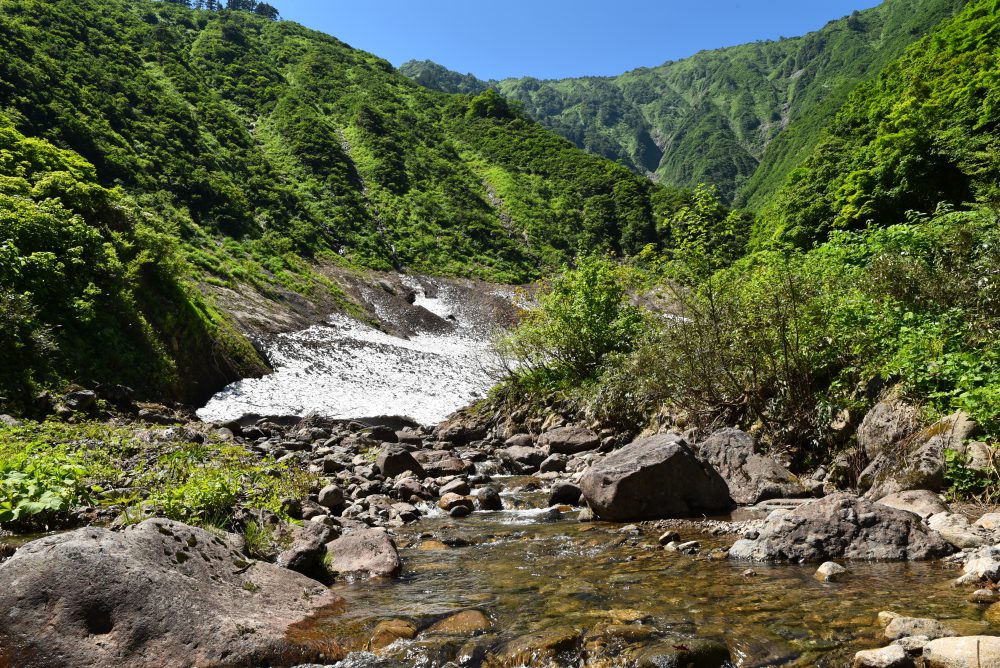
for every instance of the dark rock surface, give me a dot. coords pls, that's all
(157, 594)
(653, 478)
(751, 477)
(843, 526)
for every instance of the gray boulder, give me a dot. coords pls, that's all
(922, 502)
(554, 464)
(564, 493)
(488, 498)
(842, 526)
(751, 477)
(441, 463)
(653, 478)
(522, 459)
(305, 554)
(364, 553)
(395, 459)
(918, 462)
(889, 422)
(157, 594)
(569, 440)
(962, 652)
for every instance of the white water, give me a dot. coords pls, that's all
(346, 369)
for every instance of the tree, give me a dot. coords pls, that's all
(242, 5)
(267, 11)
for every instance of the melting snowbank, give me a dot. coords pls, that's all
(346, 369)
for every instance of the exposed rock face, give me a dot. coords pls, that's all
(889, 422)
(364, 553)
(918, 462)
(956, 529)
(395, 459)
(159, 594)
(653, 478)
(751, 477)
(843, 526)
(569, 440)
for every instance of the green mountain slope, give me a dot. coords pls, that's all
(740, 118)
(925, 133)
(249, 151)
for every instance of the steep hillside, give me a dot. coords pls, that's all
(255, 151)
(740, 118)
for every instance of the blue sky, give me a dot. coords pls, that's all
(557, 38)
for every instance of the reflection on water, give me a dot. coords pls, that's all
(530, 575)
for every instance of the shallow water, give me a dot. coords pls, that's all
(347, 369)
(530, 574)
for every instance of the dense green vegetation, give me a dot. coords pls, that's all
(877, 267)
(151, 150)
(739, 118)
(49, 469)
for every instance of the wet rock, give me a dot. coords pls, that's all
(902, 627)
(390, 631)
(569, 440)
(488, 498)
(983, 566)
(407, 488)
(892, 656)
(159, 593)
(553, 464)
(393, 460)
(460, 511)
(331, 496)
(536, 649)
(449, 502)
(889, 422)
(919, 462)
(984, 596)
(686, 653)
(521, 459)
(364, 553)
(653, 478)
(963, 652)
(669, 537)
(565, 493)
(922, 502)
(956, 529)
(467, 623)
(751, 477)
(830, 571)
(843, 526)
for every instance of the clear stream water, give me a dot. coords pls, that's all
(531, 573)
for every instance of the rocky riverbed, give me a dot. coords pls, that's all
(450, 545)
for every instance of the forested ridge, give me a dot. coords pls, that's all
(740, 118)
(226, 147)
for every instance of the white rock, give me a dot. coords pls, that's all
(984, 568)
(990, 521)
(892, 656)
(830, 572)
(965, 652)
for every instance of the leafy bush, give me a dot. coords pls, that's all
(583, 317)
(40, 494)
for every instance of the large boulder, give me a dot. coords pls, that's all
(922, 502)
(889, 422)
(522, 459)
(159, 594)
(918, 462)
(843, 526)
(395, 459)
(364, 553)
(963, 652)
(653, 478)
(569, 440)
(751, 477)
